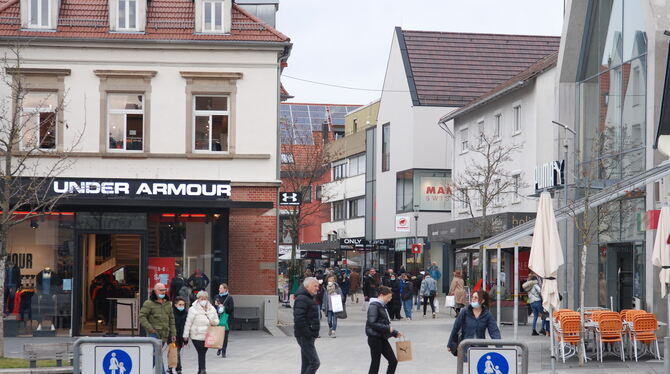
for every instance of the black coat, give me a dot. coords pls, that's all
(408, 290)
(370, 285)
(227, 302)
(378, 323)
(179, 321)
(305, 315)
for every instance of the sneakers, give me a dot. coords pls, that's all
(534, 333)
(333, 334)
(424, 316)
(433, 315)
(330, 332)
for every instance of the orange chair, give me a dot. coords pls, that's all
(644, 330)
(610, 330)
(595, 315)
(609, 315)
(630, 314)
(569, 333)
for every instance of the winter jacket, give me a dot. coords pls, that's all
(179, 322)
(378, 323)
(407, 290)
(198, 320)
(198, 283)
(457, 289)
(326, 304)
(427, 284)
(370, 285)
(306, 322)
(472, 327)
(535, 293)
(227, 302)
(157, 318)
(355, 280)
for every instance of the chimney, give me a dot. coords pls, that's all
(324, 131)
(265, 10)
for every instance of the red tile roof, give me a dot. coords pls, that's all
(452, 69)
(166, 20)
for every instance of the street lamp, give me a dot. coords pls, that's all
(565, 196)
(416, 232)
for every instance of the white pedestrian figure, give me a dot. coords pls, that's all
(488, 366)
(122, 369)
(498, 370)
(114, 364)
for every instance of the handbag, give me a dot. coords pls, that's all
(223, 320)
(433, 292)
(214, 337)
(403, 350)
(172, 356)
(343, 313)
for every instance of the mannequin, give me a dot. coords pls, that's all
(12, 283)
(47, 282)
(198, 281)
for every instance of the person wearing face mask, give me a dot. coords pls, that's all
(180, 314)
(200, 316)
(224, 304)
(156, 315)
(332, 288)
(378, 329)
(473, 321)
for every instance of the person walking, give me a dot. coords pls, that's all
(332, 289)
(395, 305)
(535, 297)
(457, 290)
(473, 321)
(417, 279)
(156, 315)
(200, 316)
(378, 329)
(354, 285)
(406, 295)
(306, 324)
(345, 285)
(224, 303)
(370, 284)
(428, 291)
(180, 314)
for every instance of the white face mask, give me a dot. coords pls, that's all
(330, 282)
(204, 303)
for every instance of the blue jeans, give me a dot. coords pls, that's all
(536, 306)
(407, 304)
(159, 338)
(332, 320)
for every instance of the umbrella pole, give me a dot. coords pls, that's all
(551, 339)
(498, 286)
(516, 290)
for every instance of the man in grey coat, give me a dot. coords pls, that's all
(428, 292)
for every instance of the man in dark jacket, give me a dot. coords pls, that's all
(306, 324)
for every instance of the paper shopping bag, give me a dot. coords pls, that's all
(336, 303)
(172, 356)
(403, 349)
(214, 337)
(450, 302)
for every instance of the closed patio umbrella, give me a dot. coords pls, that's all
(660, 256)
(546, 256)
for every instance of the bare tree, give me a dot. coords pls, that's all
(29, 156)
(485, 181)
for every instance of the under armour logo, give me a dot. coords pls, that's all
(289, 198)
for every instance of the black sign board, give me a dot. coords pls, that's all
(290, 198)
(361, 244)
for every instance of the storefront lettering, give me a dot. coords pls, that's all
(145, 188)
(440, 190)
(22, 260)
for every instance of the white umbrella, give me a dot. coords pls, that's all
(661, 253)
(546, 256)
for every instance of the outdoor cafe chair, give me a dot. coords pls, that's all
(644, 331)
(610, 330)
(569, 335)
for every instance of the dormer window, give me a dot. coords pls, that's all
(127, 15)
(39, 14)
(212, 16)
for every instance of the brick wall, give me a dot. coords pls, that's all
(253, 234)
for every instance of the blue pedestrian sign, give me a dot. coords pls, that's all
(492, 360)
(117, 362)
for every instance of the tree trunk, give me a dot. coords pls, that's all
(582, 281)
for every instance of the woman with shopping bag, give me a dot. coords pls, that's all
(180, 314)
(201, 315)
(378, 329)
(225, 307)
(457, 290)
(332, 304)
(473, 321)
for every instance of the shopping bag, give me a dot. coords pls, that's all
(223, 321)
(172, 356)
(343, 313)
(403, 349)
(214, 337)
(450, 302)
(336, 303)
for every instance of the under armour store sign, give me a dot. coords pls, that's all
(290, 198)
(142, 188)
(550, 175)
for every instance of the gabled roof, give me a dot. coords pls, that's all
(518, 81)
(452, 69)
(166, 20)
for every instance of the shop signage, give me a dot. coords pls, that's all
(360, 244)
(290, 198)
(550, 175)
(416, 248)
(142, 188)
(435, 193)
(402, 223)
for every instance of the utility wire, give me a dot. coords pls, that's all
(338, 86)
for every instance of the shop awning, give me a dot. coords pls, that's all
(605, 195)
(326, 245)
(79, 203)
(524, 241)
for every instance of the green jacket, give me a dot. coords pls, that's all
(157, 318)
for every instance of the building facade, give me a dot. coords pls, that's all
(167, 176)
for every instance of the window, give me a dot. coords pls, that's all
(306, 194)
(285, 227)
(517, 119)
(357, 165)
(40, 13)
(404, 191)
(287, 158)
(319, 192)
(212, 16)
(516, 184)
(498, 198)
(39, 121)
(636, 86)
(464, 140)
(127, 14)
(125, 121)
(357, 207)
(210, 118)
(480, 128)
(338, 211)
(496, 126)
(340, 170)
(386, 147)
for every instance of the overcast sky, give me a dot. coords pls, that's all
(346, 42)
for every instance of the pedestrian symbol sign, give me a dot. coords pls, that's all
(492, 360)
(117, 362)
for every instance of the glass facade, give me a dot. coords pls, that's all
(612, 80)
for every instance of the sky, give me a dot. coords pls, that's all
(347, 42)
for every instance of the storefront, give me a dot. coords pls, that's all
(87, 267)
